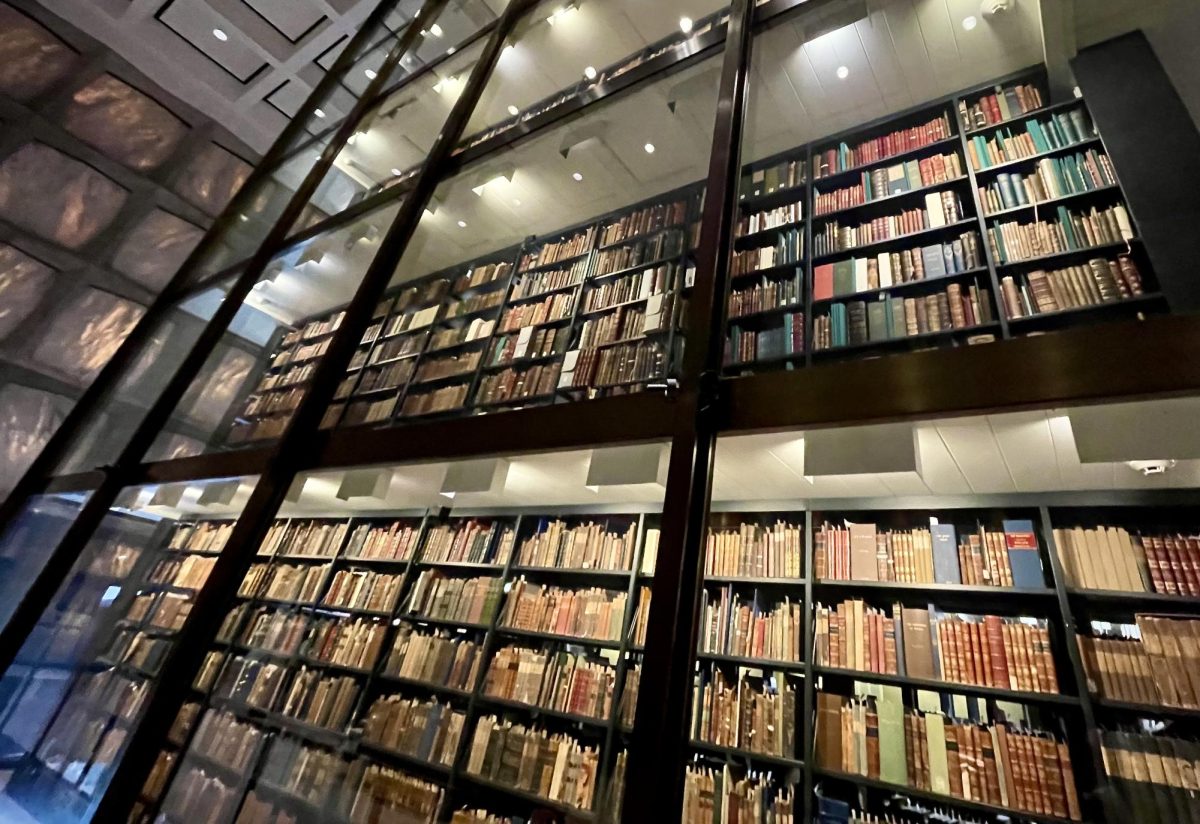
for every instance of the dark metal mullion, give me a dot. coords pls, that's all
(808, 726)
(655, 775)
(105, 382)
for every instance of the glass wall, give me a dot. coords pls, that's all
(369, 671)
(28, 540)
(81, 681)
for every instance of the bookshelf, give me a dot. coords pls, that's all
(417, 662)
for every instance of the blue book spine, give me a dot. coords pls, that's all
(945, 554)
(1023, 558)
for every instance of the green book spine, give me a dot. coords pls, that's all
(893, 763)
(939, 770)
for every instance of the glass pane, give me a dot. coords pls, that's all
(28, 541)
(561, 48)
(393, 138)
(556, 271)
(258, 374)
(82, 679)
(31, 416)
(417, 618)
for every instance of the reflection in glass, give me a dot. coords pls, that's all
(80, 682)
(23, 282)
(211, 178)
(155, 248)
(29, 539)
(84, 333)
(123, 123)
(28, 417)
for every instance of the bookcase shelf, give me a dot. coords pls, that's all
(906, 286)
(897, 241)
(1021, 118)
(1054, 201)
(572, 813)
(1117, 308)
(1131, 709)
(535, 712)
(767, 313)
(1033, 158)
(755, 759)
(1130, 602)
(889, 200)
(748, 240)
(1050, 699)
(908, 341)
(929, 148)
(1071, 254)
(757, 663)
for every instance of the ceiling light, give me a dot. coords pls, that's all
(1149, 468)
(507, 48)
(220, 35)
(516, 202)
(371, 74)
(649, 147)
(396, 173)
(462, 224)
(843, 72)
(577, 176)
(451, 50)
(514, 111)
(590, 72)
(319, 113)
(685, 24)
(435, 30)
(970, 22)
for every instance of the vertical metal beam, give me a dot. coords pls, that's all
(654, 779)
(218, 594)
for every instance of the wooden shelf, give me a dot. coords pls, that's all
(906, 286)
(898, 240)
(1052, 699)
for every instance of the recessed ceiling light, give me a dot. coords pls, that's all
(435, 30)
(649, 147)
(843, 72)
(514, 111)
(590, 72)
(577, 176)
(451, 50)
(685, 24)
(220, 35)
(507, 48)
(462, 224)
(371, 74)
(396, 173)
(319, 113)
(970, 22)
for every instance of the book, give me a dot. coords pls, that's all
(1023, 559)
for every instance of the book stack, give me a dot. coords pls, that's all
(981, 557)
(1054, 177)
(755, 551)
(786, 174)
(1110, 558)
(1152, 775)
(469, 541)
(589, 545)
(529, 343)
(878, 738)
(448, 366)
(438, 657)
(765, 295)
(1155, 662)
(784, 215)
(940, 209)
(646, 219)
(425, 730)
(554, 767)
(592, 613)
(1003, 104)
(354, 643)
(1041, 135)
(322, 701)
(518, 384)
(439, 400)
(206, 536)
(548, 253)
(731, 625)
(788, 249)
(717, 795)
(1013, 242)
(891, 318)
(274, 630)
(549, 280)
(887, 181)
(295, 582)
(386, 542)
(983, 651)
(384, 794)
(846, 277)
(832, 161)
(482, 275)
(1075, 287)
(358, 588)
(559, 681)
(464, 600)
(748, 345)
(667, 244)
(741, 716)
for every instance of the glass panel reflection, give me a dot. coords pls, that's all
(28, 541)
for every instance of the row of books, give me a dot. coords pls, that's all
(940, 209)
(646, 219)
(847, 277)
(444, 399)
(555, 767)
(878, 738)
(787, 249)
(616, 365)
(717, 794)
(755, 551)
(425, 730)
(980, 650)
(1053, 177)
(267, 628)
(465, 600)
(780, 216)
(1041, 135)
(548, 280)
(286, 582)
(1003, 104)
(733, 625)
(514, 384)
(384, 794)
(1013, 242)
(448, 366)
(1110, 558)
(609, 293)
(355, 643)
(890, 318)
(843, 157)
(321, 700)
(749, 345)
(1153, 776)
(475, 304)
(469, 541)
(667, 244)
(554, 251)
(591, 613)
(941, 553)
(482, 275)
(557, 306)
(767, 294)
(742, 716)
(559, 681)
(1099, 281)
(319, 539)
(1158, 658)
(529, 342)
(358, 588)
(888, 181)
(477, 329)
(376, 379)
(588, 545)
(392, 542)
(785, 174)
(205, 536)
(189, 572)
(225, 739)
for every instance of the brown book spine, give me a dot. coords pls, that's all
(1068, 780)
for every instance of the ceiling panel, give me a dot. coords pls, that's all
(294, 19)
(195, 24)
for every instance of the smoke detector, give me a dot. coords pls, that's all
(994, 8)
(1149, 468)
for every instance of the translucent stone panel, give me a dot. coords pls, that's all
(28, 417)
(212, 178)
(156, 248)
(210, 396)
(125, 124)
(23, 281)
(85, 333)
(31, 58)
(57, 197)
